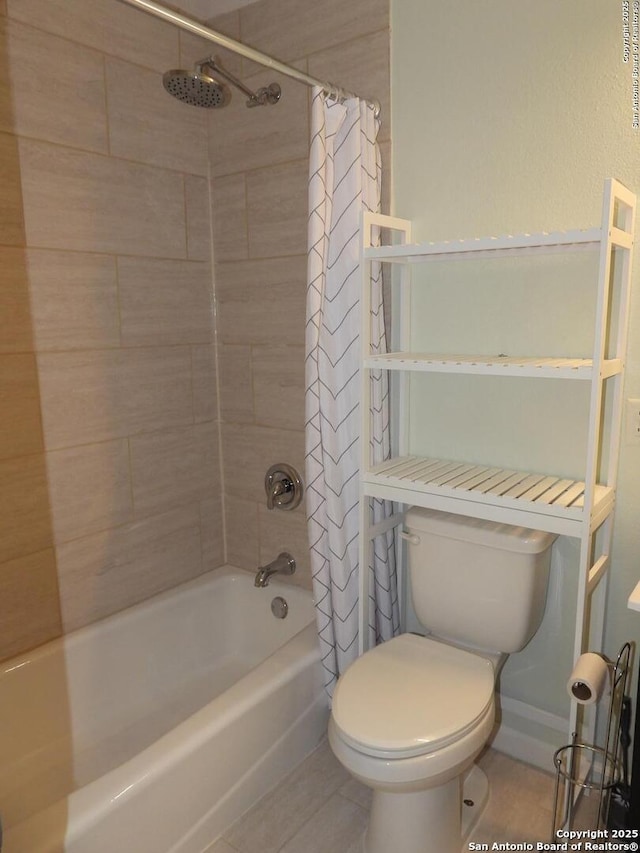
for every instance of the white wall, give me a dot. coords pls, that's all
(507, 117)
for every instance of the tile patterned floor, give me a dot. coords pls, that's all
(320, 809)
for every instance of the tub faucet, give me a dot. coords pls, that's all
(283, 564)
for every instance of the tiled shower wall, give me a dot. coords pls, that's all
(110, 481)
(109, 443)
(259, 164)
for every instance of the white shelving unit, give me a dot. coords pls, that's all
(541, 500)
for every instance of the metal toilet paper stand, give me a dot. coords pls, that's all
(584, 767)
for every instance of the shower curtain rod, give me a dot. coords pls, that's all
(159, 11)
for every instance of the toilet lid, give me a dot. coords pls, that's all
(410, 696)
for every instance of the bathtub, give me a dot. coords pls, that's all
(153, 730)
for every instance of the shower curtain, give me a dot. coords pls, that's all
(344, 179)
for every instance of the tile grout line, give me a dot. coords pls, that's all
(41, 28)
(309, 819)
(145, 164)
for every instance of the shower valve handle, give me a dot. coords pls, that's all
(283, 486)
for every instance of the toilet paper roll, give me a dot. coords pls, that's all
(589, 679)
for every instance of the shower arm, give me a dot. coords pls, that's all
(188, 24)
(267, 94)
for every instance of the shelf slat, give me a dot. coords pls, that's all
(413, 479)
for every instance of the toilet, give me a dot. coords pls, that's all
(410, 716)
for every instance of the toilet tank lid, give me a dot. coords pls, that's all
(506, 537)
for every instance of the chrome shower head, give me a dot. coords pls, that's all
(196, 88)
(199, 89)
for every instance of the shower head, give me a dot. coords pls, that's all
(196, 88)
(199, 89)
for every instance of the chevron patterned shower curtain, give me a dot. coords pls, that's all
(344, 179)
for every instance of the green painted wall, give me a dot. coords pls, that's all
(507, 117)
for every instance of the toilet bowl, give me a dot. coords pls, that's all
(410, 716)
(408, 723)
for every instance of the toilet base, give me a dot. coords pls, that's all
(431, 821)
(476, 789)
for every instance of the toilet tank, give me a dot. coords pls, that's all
(477, 582)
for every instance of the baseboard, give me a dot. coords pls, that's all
(527, 747)
(523, 747)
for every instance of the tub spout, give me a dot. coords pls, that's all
(283, 564)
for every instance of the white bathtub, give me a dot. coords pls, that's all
(153, 730)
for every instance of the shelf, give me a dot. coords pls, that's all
(581, 509)
(489, 246)
(499, 365)
(541, 501)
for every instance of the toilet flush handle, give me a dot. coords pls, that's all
(411, 538)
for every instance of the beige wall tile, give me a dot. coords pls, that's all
(250, 450)
(262, 301)
(220, 847)
(361, 66)
(286, 531)
(193, 48)
(110, 27)
(74, 300)
(212, 533)
(205, 386)
(103, 573)
(236, 384)
(165, 302)
(277, 208)
(148, 125)
(71, 111)
(229, 25)
(25, 520)
(229, 203)
(29, 605)
(11, 210)
(74, 200)
(196, 191)
(278, 386)
(174, 467)
(78, 507)
(250, 68)
(323, 24)
(16, 334)
(20, 425)
(241, 528)
(243, 139)
(102, 395)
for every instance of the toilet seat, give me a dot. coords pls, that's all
(411, 696)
